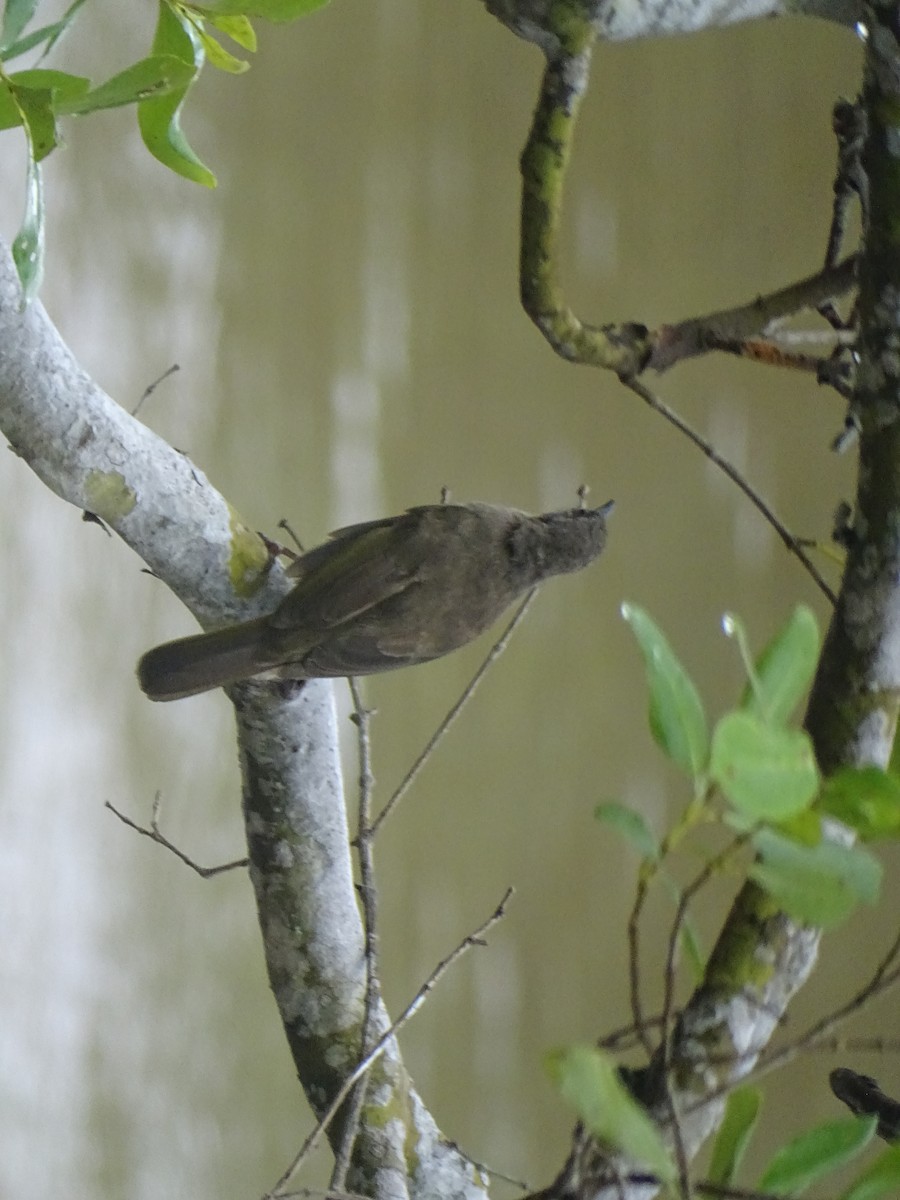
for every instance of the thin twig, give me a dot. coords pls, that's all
(494, 653)
(154, 834)
(634, 964)
(697, 335)
(707, 448)
(151, 387)
(475, 938)
(369, 897)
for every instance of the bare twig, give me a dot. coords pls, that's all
(494, 653)
(151, 387)
(369, 898)
(728, 468)
(154, 834)
(746, 322)
(475, 938)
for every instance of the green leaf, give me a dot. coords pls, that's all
(589, 1081)
(154, 76)
(61, 83)
(815, 1154)
(741, 1113)
(631, 826)
(881, 1178)
(24, 44)
(767, 774)
(219, 57)
(269, 10)
(39, 90)
(47, 33)
(784, 670)
(677, 719)
(865, 798)
(159, 117)
(36, 107)
(28, 247)
(820, 885)
(16, 15)
(238, 28)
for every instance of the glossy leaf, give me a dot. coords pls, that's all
(865, 798)
(880, 1179)
(820, 885)
(768, 774)
(159, 117)
(589, 1081)
(785, 668)
(815, 1154)
(741, 1114)
(677, 719)
(629, 825)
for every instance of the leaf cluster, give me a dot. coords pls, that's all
(755, 775)
(758, 775)
(588, 1079)
(37, 98)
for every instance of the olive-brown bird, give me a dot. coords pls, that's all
(386, 594)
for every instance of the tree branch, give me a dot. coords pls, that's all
(94, 455)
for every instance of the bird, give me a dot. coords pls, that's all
(385, 594)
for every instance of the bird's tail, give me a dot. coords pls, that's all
(197, 664)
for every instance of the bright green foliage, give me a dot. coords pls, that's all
(768, 774)
(758, 777)
(590, 1082)
(820, 885)
(815, 1154)
(865, 798)
(741, 1113)
(879, 1180)
(269, 10)
(16, 15)
(631, 826)
(677, 719)
(158, 85)
(159, 116)
(783, 672)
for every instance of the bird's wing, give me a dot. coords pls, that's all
(361, 566)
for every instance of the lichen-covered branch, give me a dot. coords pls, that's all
(621, 348)
(762, 957)
(544, 22)
(96, 456)
(567, 31)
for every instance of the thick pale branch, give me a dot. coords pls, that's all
(95, 455)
